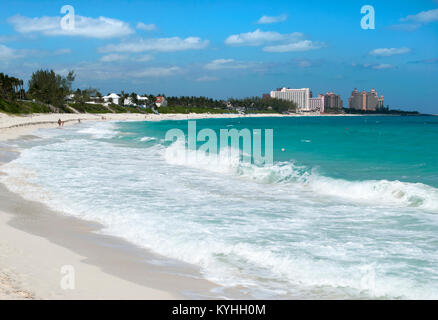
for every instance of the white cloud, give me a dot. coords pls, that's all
(146, 27)
(144, 58)
(382, 66)
(304, 45)
(272, 19)
(286, 42)
(159, 45)
(7, 53)
(100, 27)
(157, 72)
(113, 57)
(386, 52)
(424, 16)
(219, 64)
(259, 37)
(415, 21)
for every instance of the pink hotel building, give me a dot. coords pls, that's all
(317, 104)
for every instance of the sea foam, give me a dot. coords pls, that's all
(373, 192)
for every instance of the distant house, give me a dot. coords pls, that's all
(70, 97)
(95, 100)
(114, 98)
(161, 102)
(141, 101)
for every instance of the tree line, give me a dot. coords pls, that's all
(264, 104)
(47, 87)
(11, 88)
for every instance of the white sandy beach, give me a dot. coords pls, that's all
(31, 269)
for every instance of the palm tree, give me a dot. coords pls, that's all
(133, 97)
(123, 97)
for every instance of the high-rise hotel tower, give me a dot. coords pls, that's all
(299, 96)
(365, 100)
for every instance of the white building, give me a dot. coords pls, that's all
(114, 98)
(317, 104)
(70, 97)
(141, 100)
(299, 96)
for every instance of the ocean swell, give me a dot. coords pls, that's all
(372, 192)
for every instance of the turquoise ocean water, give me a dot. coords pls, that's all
(348, 209)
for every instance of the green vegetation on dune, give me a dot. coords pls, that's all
(112, 108)
(22, 107)
(89, 108)
(128, 109)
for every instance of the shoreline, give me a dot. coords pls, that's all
(33, 251)
(33, 254)
(13, 127)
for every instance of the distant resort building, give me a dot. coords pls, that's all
(299, 96)
(160, 101)
(365, 100)
(317, 104)
(114, 98)
(333, 101)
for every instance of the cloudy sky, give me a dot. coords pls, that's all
(228, 48)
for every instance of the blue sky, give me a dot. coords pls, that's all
(227, 48)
